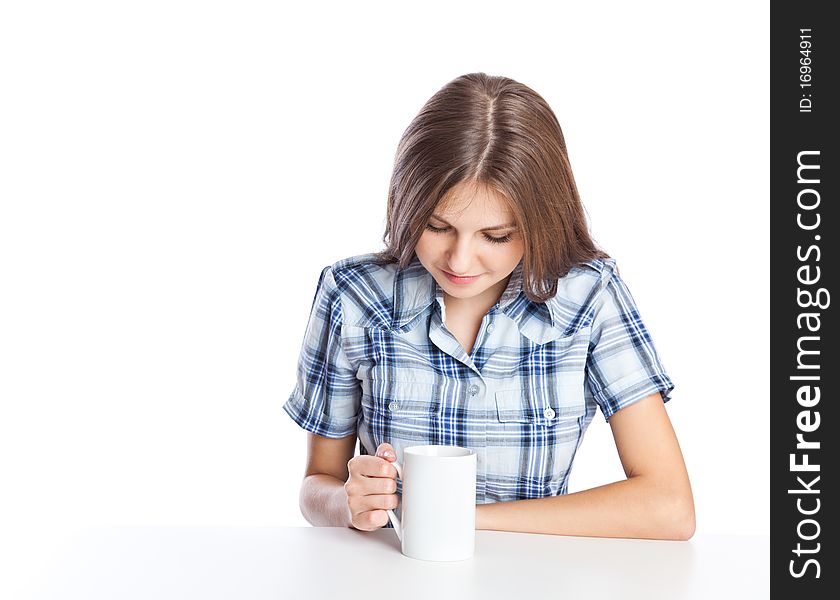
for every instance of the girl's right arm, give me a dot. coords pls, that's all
(339, 490)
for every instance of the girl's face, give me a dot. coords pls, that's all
(475, 236)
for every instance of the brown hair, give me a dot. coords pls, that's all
(496, 131)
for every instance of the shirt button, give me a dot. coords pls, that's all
(393, 406)
(549, 413)
(473, 390)
(490, 328)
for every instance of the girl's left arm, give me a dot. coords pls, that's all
(654, 502)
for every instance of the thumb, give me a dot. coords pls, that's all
(386, 451)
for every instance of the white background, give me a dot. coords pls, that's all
(174, 175)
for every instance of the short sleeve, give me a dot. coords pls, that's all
(622, 366)
(326, 397)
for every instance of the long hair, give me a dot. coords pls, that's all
(495, 131)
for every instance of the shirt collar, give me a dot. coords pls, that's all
(415, 290)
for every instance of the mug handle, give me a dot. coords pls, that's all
(394, 520)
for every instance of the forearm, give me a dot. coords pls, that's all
(634, 508)
(323, 501)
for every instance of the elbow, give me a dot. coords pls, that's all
(679, 521)
(684, 526)
(304, 501)
(671, 512)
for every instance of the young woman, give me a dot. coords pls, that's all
(490, 321)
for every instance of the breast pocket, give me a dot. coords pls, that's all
(559, 411)
(399, 412)
(550, 392)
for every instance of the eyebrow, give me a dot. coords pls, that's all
(505, 226)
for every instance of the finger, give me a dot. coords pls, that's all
(362, 488)
(380, 485)
(370, 520)
(386, 451)
(372, 466)
(374, 518)
(377, 467)
(383, 468)
(382, 501)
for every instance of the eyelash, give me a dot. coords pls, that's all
(494, 240)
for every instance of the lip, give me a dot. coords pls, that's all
(460, 280)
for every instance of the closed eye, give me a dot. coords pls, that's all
(495, 240)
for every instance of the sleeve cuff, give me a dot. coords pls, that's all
(630, 389)
(318, 422)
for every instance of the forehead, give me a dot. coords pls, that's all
(473, 200)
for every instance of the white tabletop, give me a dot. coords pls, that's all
(328, 562)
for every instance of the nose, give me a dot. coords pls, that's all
(460, 256)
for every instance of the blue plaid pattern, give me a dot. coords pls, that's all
(377, 361)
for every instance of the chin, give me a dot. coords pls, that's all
(459, 292)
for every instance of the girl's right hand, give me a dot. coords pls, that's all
(371, 488)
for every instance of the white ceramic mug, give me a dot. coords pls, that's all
(438, 503)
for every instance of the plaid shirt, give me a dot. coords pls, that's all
(378, 361)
